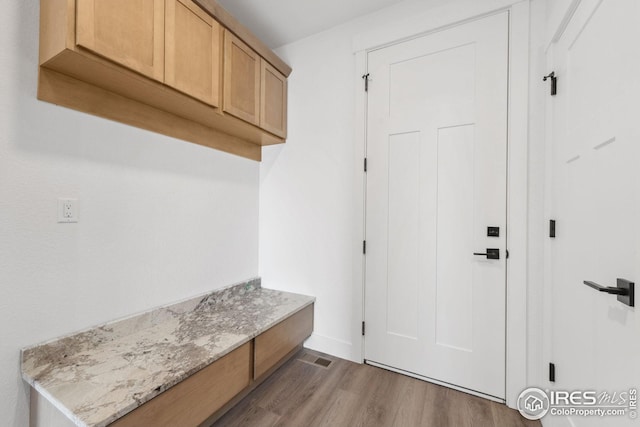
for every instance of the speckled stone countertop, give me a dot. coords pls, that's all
(96, 376)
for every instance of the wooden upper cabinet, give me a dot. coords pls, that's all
(273, 100)
(241, 80)
(129, 32)
(169, 66)
(193, 48)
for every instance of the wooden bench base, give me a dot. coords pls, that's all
(204, 397)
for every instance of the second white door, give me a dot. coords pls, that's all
(436, 182)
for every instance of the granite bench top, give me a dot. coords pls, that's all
(96, 376)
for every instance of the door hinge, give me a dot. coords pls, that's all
(366, 82)
(363, 328)
(364, 247)
(552, 372)
(552, 228)
(507, 253)
(554, 82)
(365, 164)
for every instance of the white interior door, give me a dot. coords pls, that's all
(595, 191)
(436, 180)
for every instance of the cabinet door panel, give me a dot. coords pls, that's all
(192, 55)
(241, 80)
(192, 401)
(274, 344)
(273, 100)
(130, 32)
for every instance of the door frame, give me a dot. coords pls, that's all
(517, 167)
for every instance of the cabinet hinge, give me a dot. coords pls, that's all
(552, 372)
(365, 164)
(366, 82)
(364, 247)
(363, 328)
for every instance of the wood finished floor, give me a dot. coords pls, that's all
(303, 394)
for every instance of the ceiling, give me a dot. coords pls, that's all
(279, 22)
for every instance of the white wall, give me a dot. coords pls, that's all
(306, 214)
(160, 219)
(307, 220)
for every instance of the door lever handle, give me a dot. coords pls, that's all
(624, 289)
(490, 254)
(607, 289)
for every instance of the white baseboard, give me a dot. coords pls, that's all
(331, 346)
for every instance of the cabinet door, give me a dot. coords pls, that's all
(241, 80)
(273, 100)
(192, 51)
(192, 401)
(130, 32)
(273, 345)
